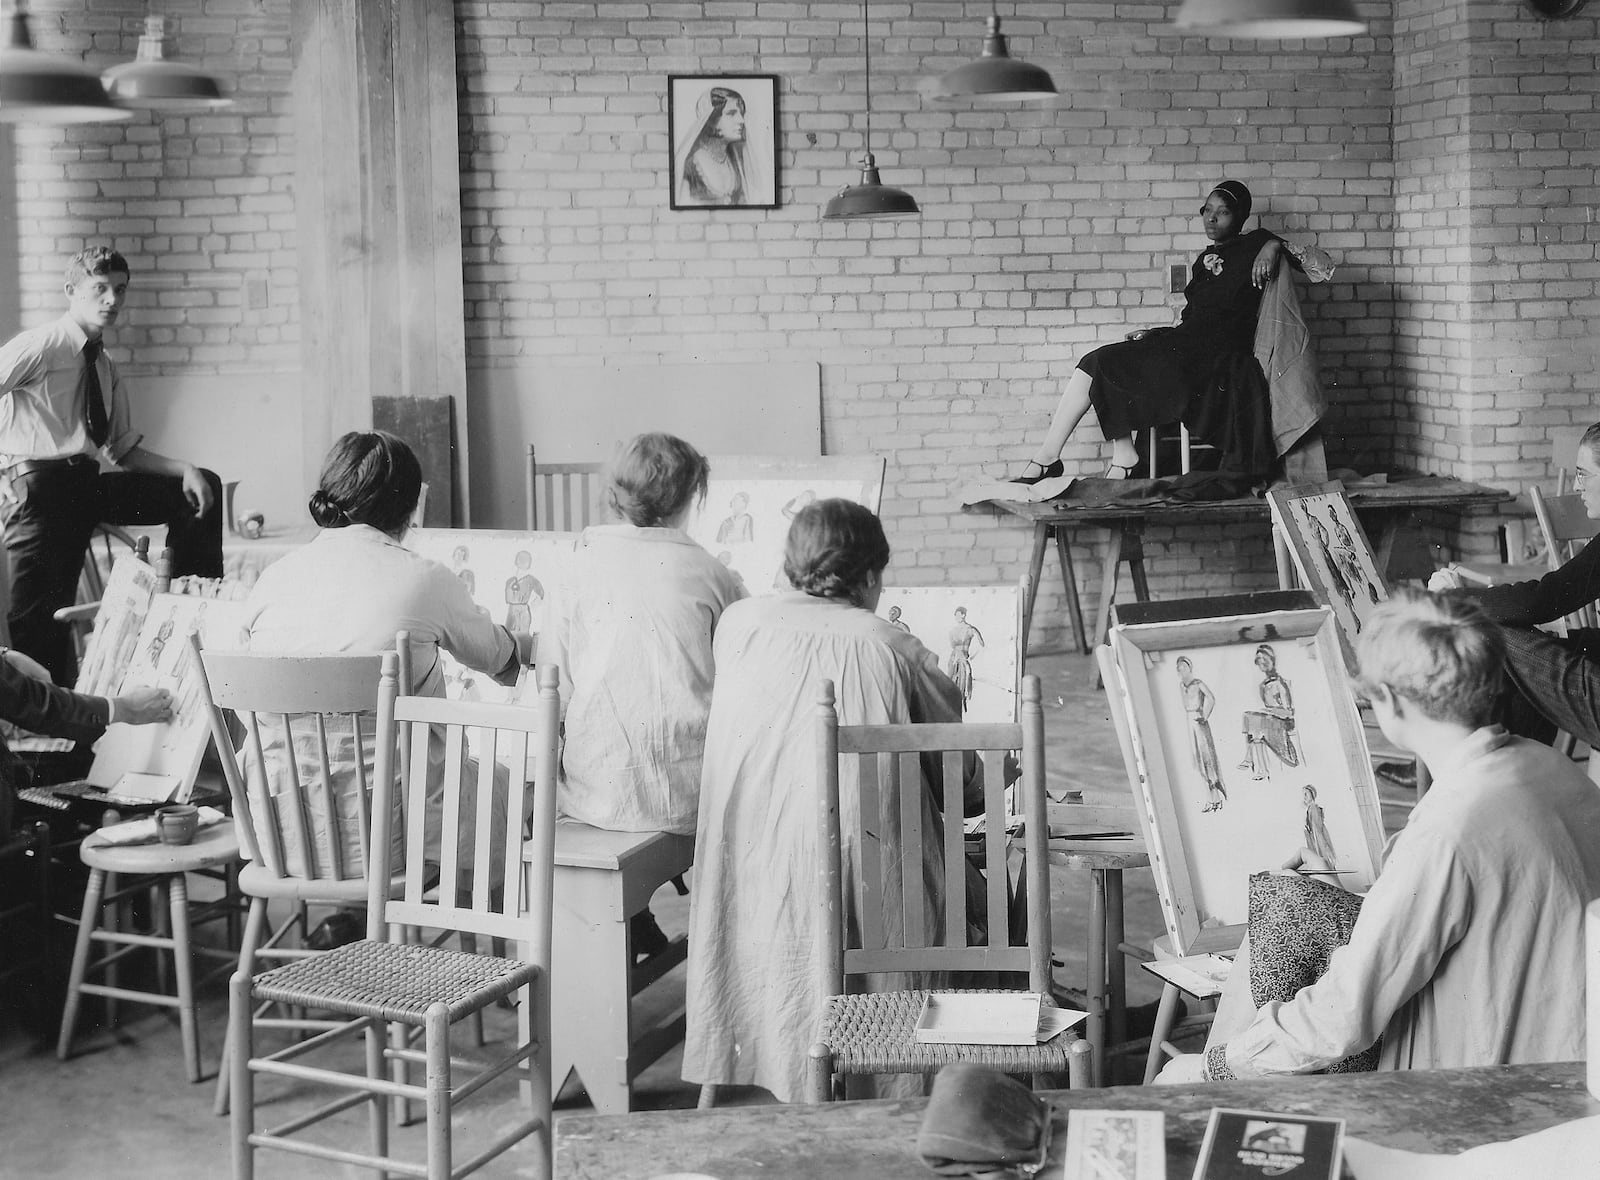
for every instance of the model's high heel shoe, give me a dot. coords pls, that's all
(1119, 471)
(1041, 472)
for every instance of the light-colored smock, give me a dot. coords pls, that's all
(1469, 947)
(630, 628)
(351, 590)
(753, 974)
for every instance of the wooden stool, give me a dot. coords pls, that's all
(163, 867)
(602, 879)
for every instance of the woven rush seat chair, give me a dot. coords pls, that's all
(874, 1032)
(383, 987)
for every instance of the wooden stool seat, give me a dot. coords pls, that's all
(163, 867)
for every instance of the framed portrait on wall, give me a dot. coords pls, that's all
(723, 132)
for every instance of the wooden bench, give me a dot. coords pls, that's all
(602, 879)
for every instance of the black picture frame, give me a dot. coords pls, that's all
(710, 170)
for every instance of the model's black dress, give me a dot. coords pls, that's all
(1202, 372)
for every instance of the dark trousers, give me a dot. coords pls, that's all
(1552, 683)
(47, 534)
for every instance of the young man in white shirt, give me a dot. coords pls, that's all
(70, 461)
(1469, 948)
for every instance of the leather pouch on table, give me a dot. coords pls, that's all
(979, 1122)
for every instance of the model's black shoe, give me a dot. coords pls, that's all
(1040, 472)
(646, 935)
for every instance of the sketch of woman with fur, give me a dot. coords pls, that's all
(1272, 726)
(1198, 701)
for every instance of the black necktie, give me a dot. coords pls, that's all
(94, 406)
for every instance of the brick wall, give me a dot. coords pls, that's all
(1448, 157)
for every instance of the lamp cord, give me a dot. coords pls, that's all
(866, 52)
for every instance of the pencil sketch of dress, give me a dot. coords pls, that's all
(1316, 833)
(1351, 571)
(521, 588)
(959, 663)
(1269, 731)
(459, 567)
(1198, 701)
(738, 527)
(1342, 586)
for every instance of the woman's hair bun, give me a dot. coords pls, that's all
(326, 512)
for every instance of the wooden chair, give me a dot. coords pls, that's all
(874, 1032)
(379, 981)
(563, 497)
(297, 840)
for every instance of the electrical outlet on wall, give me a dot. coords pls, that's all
(1180, 277)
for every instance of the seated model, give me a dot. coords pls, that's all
(1469, 949)
(1556, 679)
(1203, 372)
(753, 982)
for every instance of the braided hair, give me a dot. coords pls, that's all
(834, 550)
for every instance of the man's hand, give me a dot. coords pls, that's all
(144, 706)
(1444, 579)
(1309, 864)
(27, 665)
(1183, 1070)
(196, 490)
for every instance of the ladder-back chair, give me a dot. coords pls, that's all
(304, 826)
(380, 981)
(563, 497)
(874, 1032)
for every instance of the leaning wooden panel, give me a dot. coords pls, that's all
(1243, 745)
(1331, 553)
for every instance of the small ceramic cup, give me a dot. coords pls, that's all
(177, 823)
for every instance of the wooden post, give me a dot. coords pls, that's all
(379, 210)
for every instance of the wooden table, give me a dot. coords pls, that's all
(1434, 1110)
(1105, 858)
(1390, 504)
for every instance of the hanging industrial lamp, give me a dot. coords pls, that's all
(996, 76)
(1296, 20)
(870, 198)
(151, 82)
(46, 87)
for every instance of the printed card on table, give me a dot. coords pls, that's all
(1116, 1145)
(1253, 1144)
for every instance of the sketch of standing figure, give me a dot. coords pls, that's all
(959, 666)
(738, 527)
(458, 566)
(1198, 701)
(1317, 838)
(896, 621)
(1350, 568)
(1342, 585)
(158, 641)
(1270, 728)
(521, 589)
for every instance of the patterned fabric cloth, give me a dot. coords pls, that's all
(1296, 923)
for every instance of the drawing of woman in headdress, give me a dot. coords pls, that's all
(1272, 726)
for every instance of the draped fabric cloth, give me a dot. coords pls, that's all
(630, 626)
(1469, 949)
(753, 974)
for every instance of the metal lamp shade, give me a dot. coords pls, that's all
(40, 87)
(151, 82)
(164, 86)
(870, 198)
(1270, 19)
(996, 76)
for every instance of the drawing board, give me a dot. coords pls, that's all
(750, 500)
(159, 762)
(1330, 552)
(976, 633)
(1243, 744)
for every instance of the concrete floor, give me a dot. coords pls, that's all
(121, 1107)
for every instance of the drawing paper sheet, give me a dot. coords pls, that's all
(160, 660)
(744, 522)
(1115, 1145)
(1570, 1149)
(973, 631)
